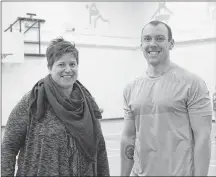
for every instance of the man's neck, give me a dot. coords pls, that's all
(158, 70)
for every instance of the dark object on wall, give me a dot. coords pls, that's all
(162, 17)
(95, 13)
(30, 23)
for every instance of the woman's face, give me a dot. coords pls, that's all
(65, 71)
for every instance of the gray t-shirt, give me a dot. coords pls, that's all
(164, 109)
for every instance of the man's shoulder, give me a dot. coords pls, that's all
(186, 75)
(134, 83)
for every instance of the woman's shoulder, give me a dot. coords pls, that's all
(26, 97)
(25, 100)
(20, 110)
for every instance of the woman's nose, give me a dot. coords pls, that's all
(67, 68)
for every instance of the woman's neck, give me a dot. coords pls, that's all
(66, 91)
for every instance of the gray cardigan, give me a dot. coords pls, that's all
(45, 147)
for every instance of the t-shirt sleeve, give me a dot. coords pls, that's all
(199, 108)
(128, 114)
(199, 102)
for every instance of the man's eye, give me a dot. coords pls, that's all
(160, 39)
(147, 38)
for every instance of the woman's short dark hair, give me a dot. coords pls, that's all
(59, 47)
(156, 22)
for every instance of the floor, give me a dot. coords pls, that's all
(111, 130)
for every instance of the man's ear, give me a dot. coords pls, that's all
(172, 43)
(141, 47)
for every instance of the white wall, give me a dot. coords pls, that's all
(104, 71)
(126, 18)
(189, 19)
(124, 21)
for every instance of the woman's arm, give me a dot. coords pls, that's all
(14, 136)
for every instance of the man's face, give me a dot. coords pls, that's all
(155, 44)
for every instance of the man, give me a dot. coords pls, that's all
(168, 115)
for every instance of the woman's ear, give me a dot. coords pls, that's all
(49, 69)
(172, 43)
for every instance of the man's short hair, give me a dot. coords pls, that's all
(155, 23)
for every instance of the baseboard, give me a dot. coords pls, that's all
(112, 119)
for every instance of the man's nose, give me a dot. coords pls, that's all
(153, 43)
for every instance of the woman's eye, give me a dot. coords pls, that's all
(73, 64)
(61, 64)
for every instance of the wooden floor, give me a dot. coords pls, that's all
(111, 130)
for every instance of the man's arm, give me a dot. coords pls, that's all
(127, 147)
(200, 113)
(127, 139)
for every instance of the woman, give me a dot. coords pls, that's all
(55, 127)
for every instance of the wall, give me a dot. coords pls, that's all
(125, 18)
(105, 72)
(188, 19)
(104, 69)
